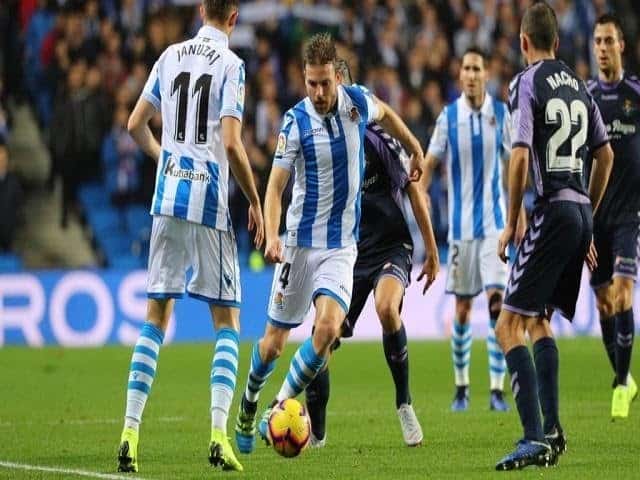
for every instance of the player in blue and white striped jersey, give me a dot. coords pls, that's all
(322, 137)
(198, 86)
(472, 136)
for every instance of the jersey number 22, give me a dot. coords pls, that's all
(557, 112)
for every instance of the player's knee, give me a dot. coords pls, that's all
(326, 333)
(505, 331)
(388, 314)
(271, 348)
(495, 305)
(605, 306)
(623, 300)
(463, 311)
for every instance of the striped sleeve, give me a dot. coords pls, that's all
(288, 144)
(506, 135)
(439, 139)
(233, 91)
(151, 90)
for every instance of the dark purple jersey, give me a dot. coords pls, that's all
(555, 117)
(382, 224)
(619, 104)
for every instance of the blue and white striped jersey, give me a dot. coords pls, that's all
(327, 152)
(194, 84)
(474, 143)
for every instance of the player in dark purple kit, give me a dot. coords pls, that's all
(615, 226)
(557, 128)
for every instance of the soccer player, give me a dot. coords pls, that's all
(472, 135)
(557, 125)
(615, 227)
(322, 137)
(198, 86)
(383, 265)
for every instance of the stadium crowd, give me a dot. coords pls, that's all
(84, 63)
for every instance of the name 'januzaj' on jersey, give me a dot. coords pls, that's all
(194, 84)
(327, 152)
(474, 144)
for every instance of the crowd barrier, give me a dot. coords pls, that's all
(81, 308)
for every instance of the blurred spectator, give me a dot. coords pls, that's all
(10, 201)
(90, 58)
(121, 160)
(77, 139)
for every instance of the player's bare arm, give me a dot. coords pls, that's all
(603, 157)
(241, 169)
(521, 227)
(395, 126)
(518, 167)
(272, 211)
(431, 266)
(139, 130)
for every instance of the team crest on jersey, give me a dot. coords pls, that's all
(282, 144)
(354, 115)
(627, 107)
(492, 121)
(278, 300)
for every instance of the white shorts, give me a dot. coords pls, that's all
(474, 265)
(177, 245)
(305, 274)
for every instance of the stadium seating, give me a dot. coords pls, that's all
(120, 234)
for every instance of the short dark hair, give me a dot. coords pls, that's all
(219, 9)
(320, 50)
(343, 68)
(475, 50)
(611, 18)
(541, 25)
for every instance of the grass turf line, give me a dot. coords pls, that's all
(63, 407)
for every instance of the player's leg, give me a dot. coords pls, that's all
(312, 354)
(142, 372)
(532, 449)
(554, 239)
(497, 362)
(461, 340)
(463, 280)
(388, 299)
(318, 391)
(625, 390)
(288, 304)
(165, 282)
(264, 354)
(545, 356)
(602, 284)
(605, 305)
(494, 279)
(224, 370)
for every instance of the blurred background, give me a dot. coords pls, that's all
(75, 190)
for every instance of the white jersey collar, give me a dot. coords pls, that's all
(214, 34)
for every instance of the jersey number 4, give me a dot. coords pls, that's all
(557, 112)
(201, 88)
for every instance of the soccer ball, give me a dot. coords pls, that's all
(289, 428)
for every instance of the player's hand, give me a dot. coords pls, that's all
(503, 242)
(430, 270)
(273, 250)
(256, 222)
(592, 257)
(415, 167)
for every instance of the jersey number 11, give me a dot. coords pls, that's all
(201, 88)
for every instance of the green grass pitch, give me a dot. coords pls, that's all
(63, 408)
